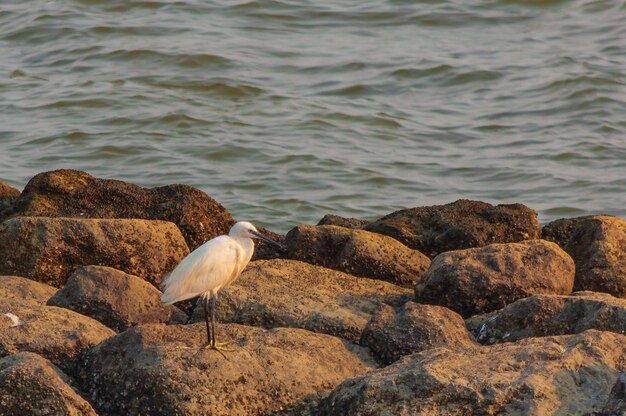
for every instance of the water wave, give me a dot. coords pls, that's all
(286, 110)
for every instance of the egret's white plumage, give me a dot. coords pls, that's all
(212, 266)
(208, 268)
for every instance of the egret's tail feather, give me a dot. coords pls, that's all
(170, 297)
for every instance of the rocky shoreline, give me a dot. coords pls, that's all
(459, 309)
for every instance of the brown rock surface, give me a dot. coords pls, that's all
(357, 252)
(485, 279)
(164, 370)
(8, 197)
(50, 249)
(598, 246)
(332, 219)
(21, 288)
(266, 251)
(7, 190)
(564, 375)
(72, 193)
(57, 334)
(410, 328)
(544, 315)
(290, 293)
(31, 385)
(560, 231)
(116, 299)
(458, 225)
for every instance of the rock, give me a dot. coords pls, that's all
(50, 249)
(72, 193)
(564, 375)
(598, 246)
(165, 370)
(357, 252)
(544, 315)
(8, 197)
(331, 219)
(485, 279)
(458, 225)
(290, 293)
(393, 333)
(57, 334)
(21, 288)
(266, 251)
(7, 190)
(616, 405)
(560, 231)
(116, 299)
(31, 385)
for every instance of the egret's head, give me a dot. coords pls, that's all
(244, 229)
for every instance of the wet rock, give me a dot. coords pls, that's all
(485, 279)
(166, 371)
(21, 288)
(616, 404)
(290, 293)
(598, 246)
(458, 225)
(357, 252)
(57, 334)
(543, 315)
(564, 375)
(412, 327)
(50, 249)
(72, 193)
(8, 198)
(31, 385)
(331, 219)
(116, 299)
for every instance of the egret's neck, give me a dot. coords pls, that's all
(247, 244)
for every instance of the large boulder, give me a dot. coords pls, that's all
(31, 385)
(23, 289)
(72, 193)
(50, 249)
(412, 327)
(165, 370)
(564, 375)
(357, 252)
(290, 293)
(485, 279)
(598, 246)
(458, 225)
(543, 315)
(55, 333)
(117, 299)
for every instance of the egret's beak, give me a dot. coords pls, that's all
(267, 239)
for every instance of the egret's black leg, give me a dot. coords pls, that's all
(213, 299)
(206, 319)
(218, 346)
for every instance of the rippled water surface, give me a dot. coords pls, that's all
(286, 110)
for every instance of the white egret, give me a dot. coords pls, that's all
(209, 268)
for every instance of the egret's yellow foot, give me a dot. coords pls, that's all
(219, 347)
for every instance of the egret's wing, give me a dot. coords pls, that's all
(208, 267)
